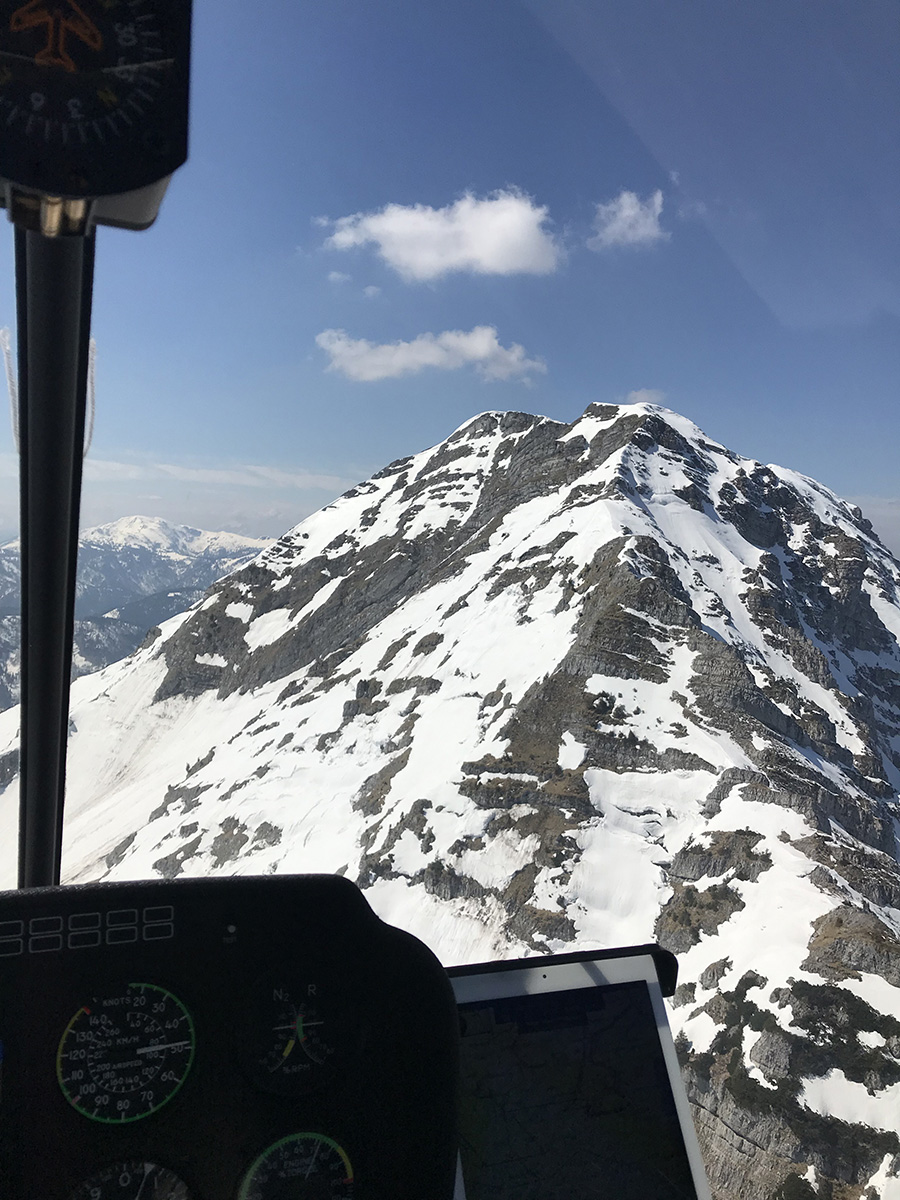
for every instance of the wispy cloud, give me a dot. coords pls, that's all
(371, 291)
(628, 221)
(645, 396)
(338, 277)
(503, 234)
(247, 498)
(366, 361)
(237, 475)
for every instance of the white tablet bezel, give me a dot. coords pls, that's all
(542, 976)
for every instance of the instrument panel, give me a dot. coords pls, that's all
(237, 1039)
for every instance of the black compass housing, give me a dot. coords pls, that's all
(94, 101)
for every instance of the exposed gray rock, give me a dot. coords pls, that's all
(714, 972)
(227, 844)
(116, 855)
(772, 1053)
(726, 853)
(738, 667)
(186, 797)
(267, 834)
(171, 865)
(848, 940)
(752, 1133)
(684, 994)
(691, 913)
(873, 875)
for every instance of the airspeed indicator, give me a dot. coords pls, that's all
(125, 1054)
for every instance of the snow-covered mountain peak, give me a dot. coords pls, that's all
(153, 533)
(138, 530)
(548, 686)
(132, 574)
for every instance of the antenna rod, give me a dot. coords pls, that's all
(54, 278)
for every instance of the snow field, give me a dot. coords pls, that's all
(834, 1095)
(298, 768)
(886, 1186)
(770, 934)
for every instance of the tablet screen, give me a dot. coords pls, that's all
(565, 1096)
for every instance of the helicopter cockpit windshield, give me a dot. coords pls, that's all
(428, 688)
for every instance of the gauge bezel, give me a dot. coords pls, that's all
(140, 137)
(107, 1174)
(256, 1035)
(252, 1173)
(169, 1094)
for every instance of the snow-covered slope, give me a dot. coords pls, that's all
(549, 686)
(132, 574)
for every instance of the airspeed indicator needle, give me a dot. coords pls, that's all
(162, 1046)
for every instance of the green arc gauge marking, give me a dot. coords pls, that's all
(250, 1187)
(124, 1055)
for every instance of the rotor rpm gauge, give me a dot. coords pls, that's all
(294, 1034)
(133, 1181)
(93, 93)
(304, 1166)
(126, 1053)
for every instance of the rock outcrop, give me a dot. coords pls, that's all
(549, 686)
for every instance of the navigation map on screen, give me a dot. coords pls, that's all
(565, 1096)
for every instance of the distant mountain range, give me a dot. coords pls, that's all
(132, 574)
(551, 686)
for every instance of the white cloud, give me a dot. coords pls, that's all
(365, 361)
(645, 396)
(338, 277)
(503, 234)
(628, 221)
(371, 291)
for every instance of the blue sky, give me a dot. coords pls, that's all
(396, 215)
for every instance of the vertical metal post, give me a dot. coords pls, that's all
(54, 278)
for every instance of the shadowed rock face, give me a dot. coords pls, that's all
(565, 686)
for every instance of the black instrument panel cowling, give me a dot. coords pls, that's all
(198, 1024)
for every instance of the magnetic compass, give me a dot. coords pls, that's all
(93, 94)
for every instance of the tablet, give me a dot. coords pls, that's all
(570, 1086)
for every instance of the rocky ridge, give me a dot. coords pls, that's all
(548, 686)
